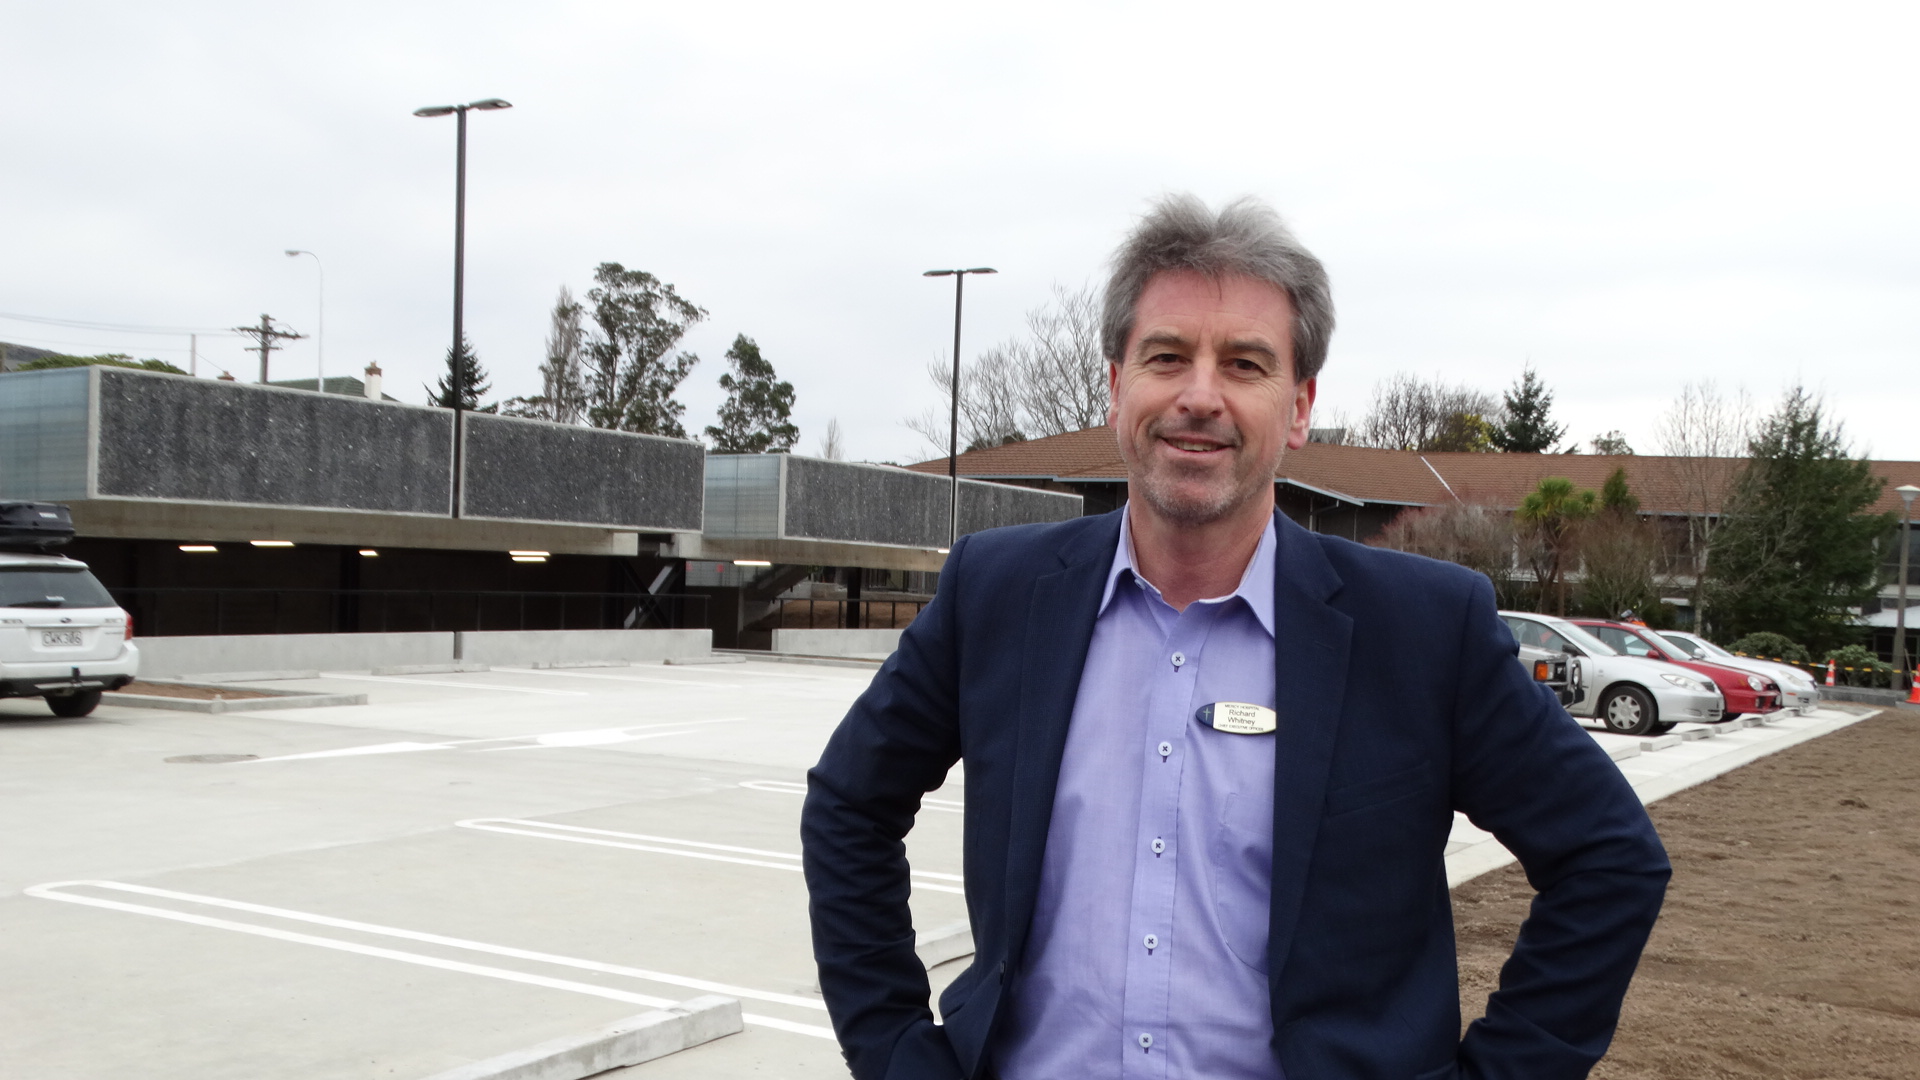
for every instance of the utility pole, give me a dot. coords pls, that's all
(266, 334)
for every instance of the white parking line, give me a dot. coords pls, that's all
(55, 891)
(568, 674)
(788, 787)
(691, 849)
(548, 740)
(409, 680)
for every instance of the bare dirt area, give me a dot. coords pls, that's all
(1789, 946)
(194, 693)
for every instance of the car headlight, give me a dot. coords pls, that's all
(1756, 683)
(1682, 682)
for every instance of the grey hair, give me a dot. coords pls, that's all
(1245, 237)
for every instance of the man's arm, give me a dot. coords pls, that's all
(1526, 772)
(895, 744)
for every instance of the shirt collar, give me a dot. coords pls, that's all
(1256, 582)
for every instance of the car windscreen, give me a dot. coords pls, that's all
(51, 587)
(1586, 641)
(1623, 641)
(1690, 647)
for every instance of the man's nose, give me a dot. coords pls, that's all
(1201, 392)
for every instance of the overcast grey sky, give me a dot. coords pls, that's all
(1628, 195)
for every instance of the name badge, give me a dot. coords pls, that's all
(1237, 718)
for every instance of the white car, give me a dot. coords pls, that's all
(1631, 695)
(61, 635)
(1798, 691)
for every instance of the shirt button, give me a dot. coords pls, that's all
(1179, 658)
(1159, 845)
(1146, 1041)
(1151, 941)
(1166, 749)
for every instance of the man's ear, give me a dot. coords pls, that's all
(1302, 418)
(1113, 392)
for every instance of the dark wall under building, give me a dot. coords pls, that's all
(319, 588)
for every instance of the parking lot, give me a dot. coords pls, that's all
(470, 864)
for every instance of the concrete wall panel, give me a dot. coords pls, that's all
(528, 470)
(834, 500)
(863, 643)
(160, 656)
(43, 435)
(520, 647)
(169, 437)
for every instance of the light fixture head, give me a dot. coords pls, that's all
(530, 558)
(370, 553)
(435, 110)
(752, 562)
(981, 270)
(291, 252)
(271, 543)
(539, 554)
(198, 548)
(940, 273)
(490, 104)
(1906, 492)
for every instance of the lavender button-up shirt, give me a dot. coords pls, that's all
(1148, 952)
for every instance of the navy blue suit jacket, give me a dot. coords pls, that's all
(1400, 701)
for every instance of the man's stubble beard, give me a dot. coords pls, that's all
(1160, 483)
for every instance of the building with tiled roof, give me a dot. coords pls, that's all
(1354, 491)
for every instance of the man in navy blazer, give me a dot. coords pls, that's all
(1393, 700)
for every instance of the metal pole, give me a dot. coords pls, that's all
(193, 354)
(953, 428)
(1900, 616)
(320, 334)
(457, 377)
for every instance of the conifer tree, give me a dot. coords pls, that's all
(465, 381)
(1527, 427)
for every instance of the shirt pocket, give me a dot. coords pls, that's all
(1241, 865)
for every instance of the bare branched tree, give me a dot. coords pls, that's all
(830, 444)
(563, 384)
(1063, 377)
(1476, 536)
(1408, 413)
(1705, 435)
(990, 391)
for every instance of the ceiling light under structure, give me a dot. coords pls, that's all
(530, 558)
(271, 543)
(542, 554)
(369, 553)
(752, 562)
(198, 548)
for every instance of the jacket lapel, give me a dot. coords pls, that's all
(1312, 644)
(1059, 626)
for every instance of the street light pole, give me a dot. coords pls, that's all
(458, 375)
(953, 400)
(320, 332)
(1900, 662)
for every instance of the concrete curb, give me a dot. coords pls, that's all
(429, 669)
(717, 658)
(631, 1041)
(227, 705)
(549, 665)
(792, 658)
(244, 676)
(1650, 743)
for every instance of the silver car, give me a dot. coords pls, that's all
(62, 637)
(1631, 695)
(1798, 691)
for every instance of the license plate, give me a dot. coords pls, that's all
(52, 639)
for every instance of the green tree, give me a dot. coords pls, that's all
(1797, 547)
(563, 388)
(1616, 497)
(753, 419)
(1768, 645)
(632, 377)
(1612, 444)
(1464, 432)
(1551, 514)
(102, 360)
(1527, 427)
(465, 381)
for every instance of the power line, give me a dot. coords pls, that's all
(120, 328)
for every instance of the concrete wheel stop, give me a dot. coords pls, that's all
(631, 1041)
(255, 701)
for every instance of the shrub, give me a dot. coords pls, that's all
(1859, 667)
(1772, 646)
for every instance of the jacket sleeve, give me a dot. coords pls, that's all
(1526, 772)
(895, 744)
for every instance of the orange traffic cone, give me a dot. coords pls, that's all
(1913, 691)
(1830, 667)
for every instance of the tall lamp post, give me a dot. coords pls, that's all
(320, 333)
(1900, 661)
(460, 266)
(953, 428)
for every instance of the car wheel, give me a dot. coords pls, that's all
(1628, 710)
(1731, 716)
(78, 703)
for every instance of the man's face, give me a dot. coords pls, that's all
(1204, 399)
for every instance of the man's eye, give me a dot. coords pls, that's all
(1164, 358)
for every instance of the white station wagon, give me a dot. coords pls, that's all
(61, 635)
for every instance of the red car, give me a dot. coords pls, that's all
(1746, 693)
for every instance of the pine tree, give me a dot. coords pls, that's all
(1528, 429)
(1797, 547)
(1616, 497)
(753, 420)
(465, 373)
